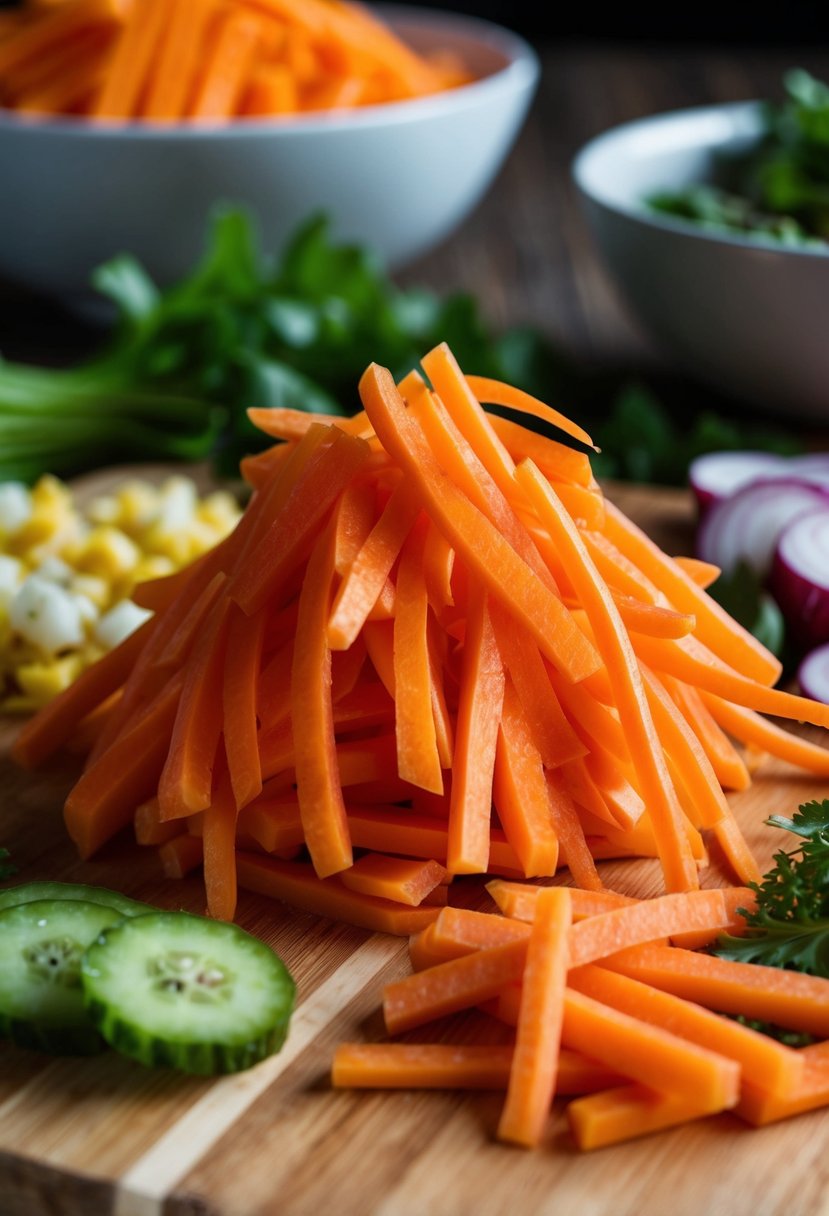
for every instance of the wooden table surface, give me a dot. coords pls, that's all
(526, 253)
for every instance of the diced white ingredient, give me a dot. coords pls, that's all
(178, 503)
(46, 615)
(55, 570)
(11, 576)
(89, 611)
(15, 506)
(117, 624)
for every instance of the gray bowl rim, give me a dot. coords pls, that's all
(748, 111)
(520, 72)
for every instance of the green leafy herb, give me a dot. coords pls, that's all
(790, 926)
(779, 189)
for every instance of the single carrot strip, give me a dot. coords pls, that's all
(103, 800)
(574, 850)
(180, 855)
(364, 579)
(480, 703)
(356, 516)
(273, 688)
(626, 683)
(182, 46)
(493, 392)
(239, 696)
(750, 728)
(601, 936)
(459, 984)
(520, 792)
(557, 462)
(227, 68)
(219, 841)
(296, 884)
(532, 1079)
(346, 671)
(459, 931)
(762, 1060)
(438, 560)
(630, 1111)
(270, 91)
(55, 724)
(714, 626)
(294, 424)
(725, 760)
(593, 722)
(584, 505)
(417, 753)
(620, 574)
(681, 743)
(648, 1054)
(286, 541)
(786, 998)
(148, 826)
(517, 900)
(133, 60)
(555, 739)
(735, 846)
(611, 780)
(436, 648)
(690, 661)
(186, 783)
(258, 470)
(469, 532)
(653, 620)
(702, 573)
(760, 1105)
(319, 787)
(274, 825)
(402, 880)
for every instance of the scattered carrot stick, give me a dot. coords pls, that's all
(239, 697)
(399, 879)
(219, 841)
(629, 1111)
(761, 1105)
(702, 573)
(725, 760)
(517, 900)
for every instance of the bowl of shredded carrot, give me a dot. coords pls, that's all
(122, 122)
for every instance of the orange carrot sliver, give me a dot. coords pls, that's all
(517, 900)
(219, 840)
(180, 855)
(402, 880)
(760, 1105)
(521, 794)
(629, 1111)
(239, 697)
(450, 987)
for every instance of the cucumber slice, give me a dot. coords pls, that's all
(185, 992)
(41, 994)
(29, 892)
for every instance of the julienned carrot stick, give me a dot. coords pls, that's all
(405, 881)
(296, 883)
(472, 536)
(629, 1111)
(702, 573)
(625, 680)
(365, 577)
(133, 60)
(319, 787)
(520, 792)
(574, 850)
(760, 1105)
(749, 727)
(219, 842)
(714, 626)
(186, 783)
(180, 855)
(735, 846)
(227, 68)
(480, 703)
(558, 462)
(645, 921)
(452, 1066)
(148, 826)
(517, 900)
(786, 998)
(725, 760)
(493, 392)
(532, 1079)
(762, 1060)
(651, 619)
(239, 695)
(418, 760)
(648, 1054)
(450, 987)
(182, 43)
(461, 927)
(620, 574)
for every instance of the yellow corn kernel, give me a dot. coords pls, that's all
(108, 553)
(176, 546)
(94, 588)
(137, 506)
(104, 510)
(43, 681)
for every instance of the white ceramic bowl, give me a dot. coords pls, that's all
(745, 315)
(399, 177)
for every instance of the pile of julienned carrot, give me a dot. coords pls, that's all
(167, 60)
(609, 1004)
(430, 648)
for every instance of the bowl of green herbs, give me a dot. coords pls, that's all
(714, 223)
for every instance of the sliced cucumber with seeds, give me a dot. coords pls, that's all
(41, 995)
(28, 892)
(184, 992)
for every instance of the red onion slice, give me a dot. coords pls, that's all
(800, 577)
(746, 527)
(718, 475)
(813, 675)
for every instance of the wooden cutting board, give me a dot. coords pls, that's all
(101, 1136)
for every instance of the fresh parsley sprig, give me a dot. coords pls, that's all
(790, 926)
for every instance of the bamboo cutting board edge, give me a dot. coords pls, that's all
(78, 1138)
